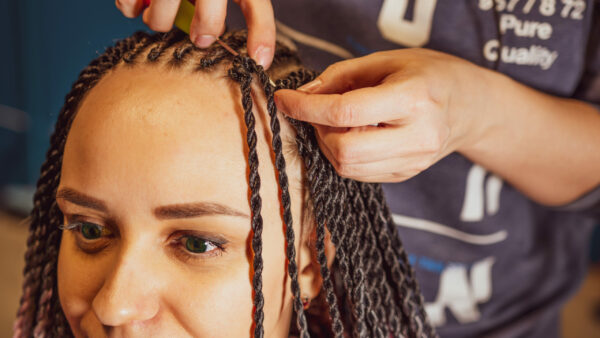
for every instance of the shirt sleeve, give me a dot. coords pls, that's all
(589, 87)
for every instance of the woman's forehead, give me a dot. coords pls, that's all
(155, 132)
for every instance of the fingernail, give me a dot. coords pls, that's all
(262, 55)
(204, 41)
(311, 86)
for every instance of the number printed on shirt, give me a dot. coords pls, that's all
(501, 5)
(572, 9)
(547, 7)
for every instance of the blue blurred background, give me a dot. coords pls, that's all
(46, 44)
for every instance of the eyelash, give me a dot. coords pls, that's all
(185, 255)
(89, 246)
(177, 244)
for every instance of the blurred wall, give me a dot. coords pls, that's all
(46, 44)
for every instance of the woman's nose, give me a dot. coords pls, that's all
(128, 294)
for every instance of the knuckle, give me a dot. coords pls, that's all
(343, 154)
(209, 25)
(343, 114)
(334, 68)
(345, 170)
(431, 142)
(399, 177)
(338, 72)
(158, 25)
(420, 166)
(424, 95)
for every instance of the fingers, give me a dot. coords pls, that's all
(159, 16)
(208, 22)
(360, 107)
(351, 146)
(130, 8)
(380, 154)
(261, 30)
(395, 169)
(366, 71)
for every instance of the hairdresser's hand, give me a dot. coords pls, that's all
(209, 22)
(426, 105)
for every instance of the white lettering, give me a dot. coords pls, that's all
(413, 33)
(525, 28)
(461, 294)
(535, 55)
(473, 209)
(490, 50)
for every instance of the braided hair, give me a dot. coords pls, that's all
(371, 291)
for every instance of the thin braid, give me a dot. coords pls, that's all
(338, 224)
(44, 322)
(143, 41)
(390, 260)
(400, 269)
(316, 172)
(167, 40)
(341, 224)
(405, 268)
(357, 259)
(285, 199)
(239, 72)
(374, 277)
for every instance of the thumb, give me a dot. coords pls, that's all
(347, 75)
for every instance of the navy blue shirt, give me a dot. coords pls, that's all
(491, 263)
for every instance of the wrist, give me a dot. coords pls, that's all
(484, 105)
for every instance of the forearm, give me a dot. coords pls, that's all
(547, 147)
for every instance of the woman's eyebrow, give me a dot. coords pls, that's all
(81, 199)
(173, 211)
(197, 209)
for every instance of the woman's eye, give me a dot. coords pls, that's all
(198, 245)
(89, 231)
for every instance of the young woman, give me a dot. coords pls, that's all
(166, 207)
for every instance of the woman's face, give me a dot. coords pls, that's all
(155, 173)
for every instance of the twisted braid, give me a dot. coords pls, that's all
(389, 298)
(371, 270)
(240, 72)
(357, 295)
(285, 198)
(316, 173)
(405, 271)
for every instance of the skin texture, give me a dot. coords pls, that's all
(209, 22)
(145, 138)
(429, 104)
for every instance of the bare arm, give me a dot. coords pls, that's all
(428, 104)
(548, 147)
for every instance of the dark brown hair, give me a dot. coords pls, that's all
(373, 292)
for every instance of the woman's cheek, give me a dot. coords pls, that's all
(217, 302)
(79, 278)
